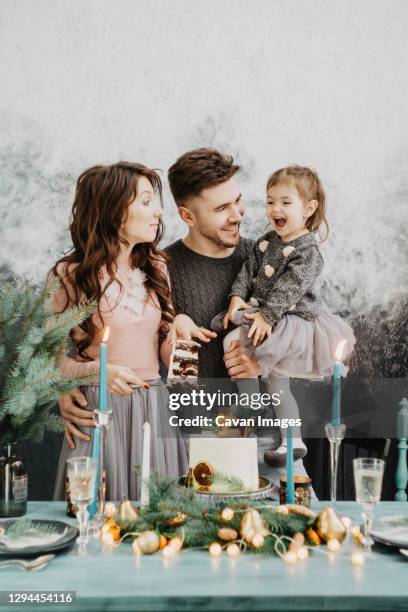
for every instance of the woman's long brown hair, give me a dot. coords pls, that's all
(103, 194)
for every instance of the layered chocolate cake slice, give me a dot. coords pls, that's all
(184, 362)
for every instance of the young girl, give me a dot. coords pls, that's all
(275, 299)
(115, 229)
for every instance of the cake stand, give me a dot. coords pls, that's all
(266, 490)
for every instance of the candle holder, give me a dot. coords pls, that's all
(335, 436)
(102, 419)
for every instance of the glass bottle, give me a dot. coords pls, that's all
(13, 483)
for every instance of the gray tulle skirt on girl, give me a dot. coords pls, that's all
(124, 445)
(297, 347)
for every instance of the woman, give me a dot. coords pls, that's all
(115, 263)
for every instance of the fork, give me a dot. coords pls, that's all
(28, 566)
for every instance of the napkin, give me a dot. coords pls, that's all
(33, 540)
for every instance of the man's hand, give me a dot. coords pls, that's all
(236, 303)
(238, 364)
(184, 328)
(259, 328)
(71, 407)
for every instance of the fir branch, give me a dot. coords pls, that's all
(24, 528)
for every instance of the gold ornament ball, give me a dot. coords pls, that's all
(163, 541)
(149, 542)
(215, 549)
(357, 559)
(282, 509)
(233, 550)
(258, 540)
(227, 514)
(333, 545)
(302, 553)
(290, 557)
(312, 536)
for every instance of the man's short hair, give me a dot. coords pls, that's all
(198, 170)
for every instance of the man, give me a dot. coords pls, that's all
(202, 268)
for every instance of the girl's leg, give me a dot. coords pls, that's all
(287, 409)
(246, 386)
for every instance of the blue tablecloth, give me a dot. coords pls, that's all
(193, 581)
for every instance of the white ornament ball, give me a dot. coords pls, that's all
(233, 550)
(227, 514)
(290, 557)
(333, 545)
(302, 553)
(215, 549)
(357, 559)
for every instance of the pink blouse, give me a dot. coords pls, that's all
(133, 316)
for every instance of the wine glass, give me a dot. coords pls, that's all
(81, 474)
(368, 476)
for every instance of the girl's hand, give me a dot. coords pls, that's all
(235, 304)
(119, 377)
(185, 329)
(259, 328)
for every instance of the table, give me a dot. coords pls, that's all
(120, 581)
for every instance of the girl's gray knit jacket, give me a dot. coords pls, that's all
(280, 277)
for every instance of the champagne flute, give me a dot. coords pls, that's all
(368, 476)
(82, 474)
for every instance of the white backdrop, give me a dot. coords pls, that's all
(272, 82)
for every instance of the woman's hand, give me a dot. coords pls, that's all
(259, 328)
(185, 329)
(119, 378)
(235, 304)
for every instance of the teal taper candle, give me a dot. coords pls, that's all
(290, 485)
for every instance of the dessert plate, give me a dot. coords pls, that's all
(391, 531)
(45, 536)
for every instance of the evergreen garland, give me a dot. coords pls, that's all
(32, 338)
(203, 520)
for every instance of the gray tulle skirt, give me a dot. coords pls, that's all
(297, 347)
(124, 445)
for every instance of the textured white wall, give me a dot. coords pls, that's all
(314, 82)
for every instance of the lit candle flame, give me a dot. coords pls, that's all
(340, 350)
(106, 334)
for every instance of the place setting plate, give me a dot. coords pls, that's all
(68, 534)
(391, 531)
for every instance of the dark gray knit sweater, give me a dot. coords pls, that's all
(280, 277)
(200, 287)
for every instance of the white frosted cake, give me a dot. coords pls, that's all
(235, 458)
